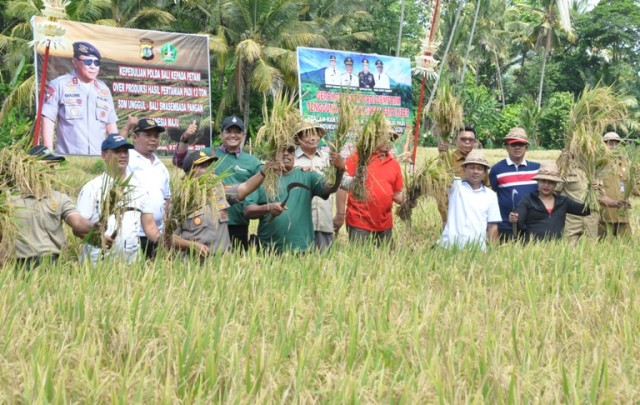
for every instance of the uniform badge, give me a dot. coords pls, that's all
(146, 49)
(169, 53)
(197, 221)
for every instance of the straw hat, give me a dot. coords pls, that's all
(548, 171)
(611, 136)
(516, 135)
(306, 125)
(476, 157)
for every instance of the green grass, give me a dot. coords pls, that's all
(543, 323)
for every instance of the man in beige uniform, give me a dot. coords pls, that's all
(614, 215)
(42, 236)
(575, 186)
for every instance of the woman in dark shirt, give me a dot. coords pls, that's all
(541, 214)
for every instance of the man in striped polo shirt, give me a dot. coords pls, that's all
(512, 179)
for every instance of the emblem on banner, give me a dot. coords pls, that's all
(146, 49)
(169, 53)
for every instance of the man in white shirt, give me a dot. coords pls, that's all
(381, 78)
(332, 73)
(474, 213)
(148, 171)
(134, 208)
(349, 79)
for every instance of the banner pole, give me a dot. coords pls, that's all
(36, 131)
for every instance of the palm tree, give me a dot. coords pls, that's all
(554, 17)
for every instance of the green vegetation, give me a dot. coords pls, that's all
(542, 323)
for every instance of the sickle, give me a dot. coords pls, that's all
(290, 187)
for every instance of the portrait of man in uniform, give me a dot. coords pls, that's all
(349, 78)
(332, 73)
(365, 78)
(381, 78)
(78, 107)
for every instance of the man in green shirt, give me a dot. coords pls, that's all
(235, 165)
(289, 227)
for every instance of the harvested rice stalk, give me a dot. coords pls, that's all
(447, 113)
(8, 226)
(276, 134)
(375, 130)
(432, 180)
(190, 194)
(594, 111)
(27, 174)
(348, 112)
(114, 197)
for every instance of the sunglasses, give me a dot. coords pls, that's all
(89, 62)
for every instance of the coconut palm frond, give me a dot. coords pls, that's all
(249, 50)
(264, 77)
(20, 97)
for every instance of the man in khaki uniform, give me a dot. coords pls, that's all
(614, 215)
(41, 234)
(575, 187)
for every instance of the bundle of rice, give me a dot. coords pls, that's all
(190, 194)
(26, 174)
(447, 113)
(276, 134)
(115, 193)
(8, 226)
(431, 180)
(594, 111)
(348, 111)
(375, 130)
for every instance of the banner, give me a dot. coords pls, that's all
(380, 82)
(145, 74)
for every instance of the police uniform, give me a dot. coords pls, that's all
(366, 80)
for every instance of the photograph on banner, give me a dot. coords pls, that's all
(379, 81)
(99, 78)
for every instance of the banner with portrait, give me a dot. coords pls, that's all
(380, 83)
(140, 73)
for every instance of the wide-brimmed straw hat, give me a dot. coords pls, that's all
(516, 135)
(548, 171)
(306, 125)
(611, 136)
(476, 157)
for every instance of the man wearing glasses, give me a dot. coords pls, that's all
(81, 105)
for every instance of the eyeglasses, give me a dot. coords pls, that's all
(467, 140)
(89, 62)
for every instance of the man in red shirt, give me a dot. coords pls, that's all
(372, 217)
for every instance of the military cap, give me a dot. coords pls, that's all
(348, 61)
(332, 57)
(379, 63)
(365, 61)
(85, 49)
(196, 158)
(43, 153)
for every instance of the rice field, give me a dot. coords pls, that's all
(543, 323)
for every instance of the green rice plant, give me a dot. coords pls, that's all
(276, 134)
(375, 130)
(348, 111)
(431, 180)
(8, 226)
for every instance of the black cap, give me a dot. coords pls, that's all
(43, 153)
(379, 63)
(332, 57)
(85, 49)
(348, 61)
(146, 124)
(115, 141)
(196, 158)
(365, 61)
(232, 121)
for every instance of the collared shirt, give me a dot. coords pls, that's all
(321, 210)
(383, 180)
(512, 183)
(153, 176)
(349, 79)
(126, 243)
(40, 221)
(613, 181)
(82, 113)
(332, 76)
(470, 212)
(382, 81)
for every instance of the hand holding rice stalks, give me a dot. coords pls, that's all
(276, 134)
(114, 198)
(190, 194)
(348, 112)
(432, 180)
(595, 110)
(375, 131)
